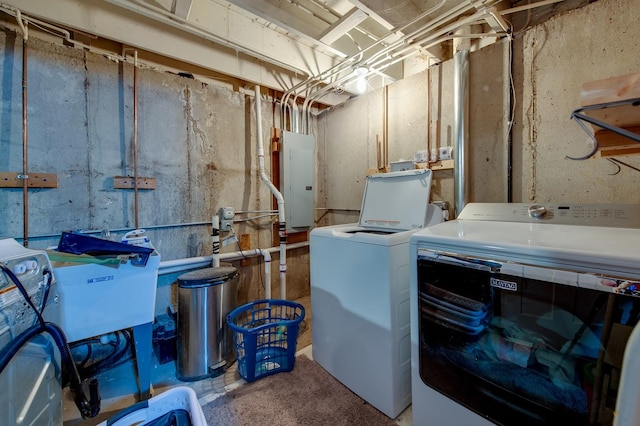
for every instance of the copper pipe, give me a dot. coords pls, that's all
(135, 136)
(378, 154)
(385, 126)
(25, 158)
(428, 114)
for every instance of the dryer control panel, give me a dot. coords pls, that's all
(608, 215)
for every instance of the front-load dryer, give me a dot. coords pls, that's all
(360, 290)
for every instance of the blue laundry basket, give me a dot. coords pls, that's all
(265, 334)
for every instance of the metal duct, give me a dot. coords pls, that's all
(461, 129)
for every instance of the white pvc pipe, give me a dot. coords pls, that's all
(267, 272)
(172, 266)
(177, 265)
(23, 28)
(336, 69)
(282, 229)
(215, 222)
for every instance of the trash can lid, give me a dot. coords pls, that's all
(207, 277)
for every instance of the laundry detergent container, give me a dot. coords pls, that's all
(204, 342)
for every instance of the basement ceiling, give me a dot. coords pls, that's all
(315, 49)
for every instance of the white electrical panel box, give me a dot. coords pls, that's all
(297, 180)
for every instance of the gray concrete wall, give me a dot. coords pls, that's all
(595, 42)
(551, 62)
(420, 117)
(197, 141)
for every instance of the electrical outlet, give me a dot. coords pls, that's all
(226, 215)
(445, 153)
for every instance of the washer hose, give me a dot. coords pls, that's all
(88, 408)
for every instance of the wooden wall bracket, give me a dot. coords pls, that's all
(128, 182)
(34, 180)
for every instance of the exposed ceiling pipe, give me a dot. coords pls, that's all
(410, 51)
(528, 6)
(319, 80)
(452, 13)
(57, 31)
(388, 57)
(432, 32)
(404, 48)
(347, 63)
(308, 100)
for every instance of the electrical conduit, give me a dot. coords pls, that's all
(282, 229)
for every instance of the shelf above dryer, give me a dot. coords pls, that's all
(612, 108)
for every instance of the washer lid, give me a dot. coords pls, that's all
(396, 201)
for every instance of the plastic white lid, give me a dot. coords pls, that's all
(396, 201)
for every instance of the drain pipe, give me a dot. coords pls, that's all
(215, 258)
(179, 265)
(267, 271)
(461, 127)
(282, 229)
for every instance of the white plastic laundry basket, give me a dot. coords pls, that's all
(179, 398)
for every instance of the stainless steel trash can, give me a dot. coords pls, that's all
(205, 343)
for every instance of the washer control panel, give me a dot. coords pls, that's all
(608, 215)
(33, 270)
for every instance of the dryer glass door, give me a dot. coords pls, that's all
(522, 345)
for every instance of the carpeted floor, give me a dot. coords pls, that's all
(307, 395)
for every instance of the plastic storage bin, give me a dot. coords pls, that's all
(178, 400)
(265, 334)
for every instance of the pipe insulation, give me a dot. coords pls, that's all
(282, 229)
(461, 129)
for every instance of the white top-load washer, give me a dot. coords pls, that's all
(360, 289)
